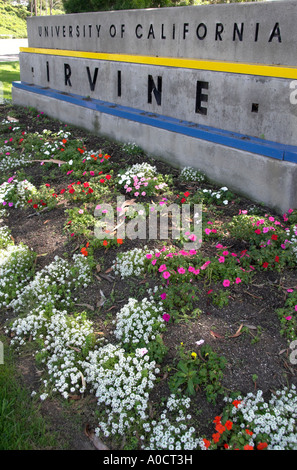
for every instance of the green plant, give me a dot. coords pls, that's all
(199, 371)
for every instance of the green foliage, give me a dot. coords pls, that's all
(13, 21)
(199, 372)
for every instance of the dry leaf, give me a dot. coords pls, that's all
(98, 268)
(95, 440)
(238, 332)
(52, 160)
(90, 307)
(109, 270)
(215, 335)
(12, 119)
(74, 397)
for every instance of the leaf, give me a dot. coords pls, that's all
(109, 270)
(95, 440)
(102, 300)
(51, 160)
(12, 119)
(98, 268)
(90, 307)
(215, 335)
(238, 332)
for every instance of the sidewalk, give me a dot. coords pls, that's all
(9, 49)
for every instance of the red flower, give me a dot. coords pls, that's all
(220, 428)
(250, 433)
(71, 191)
(236, 403)
(206, 443)
(90, 190)
(229, 425)
(102, 180)
(248, 447)
(216, 437)
(86, 185)
(47, 185)
(217, 419)
(108, 177)
(35, 206)
(183, 200)
(62, 191)
(187, 194)
(276, 259)
(262, 445)
(265, 264)
(258, 231)
(30, 200)
(274, 237)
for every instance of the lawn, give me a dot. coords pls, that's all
(9, 72)
(137, 342)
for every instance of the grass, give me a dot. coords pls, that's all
(21, 427)
(9, 72)
(13, 21)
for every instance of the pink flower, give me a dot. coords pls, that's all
(237, 280)
(148, 256)
(163, 296)
(225, 253)
(288, 318)
(204, 266)
(162, 268)
(226, 283)
(207, 231)
(166, 317)
(181, 270)
(289, 290)
(166, 274)
(221, 259)
(92, 173)
(296, 308)
(136, 194)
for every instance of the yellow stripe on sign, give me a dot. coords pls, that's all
(278, 71)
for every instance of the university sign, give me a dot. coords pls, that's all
(213, 87)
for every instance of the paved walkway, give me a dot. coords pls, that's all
(9, 49)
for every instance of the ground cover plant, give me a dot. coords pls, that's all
(151, 344)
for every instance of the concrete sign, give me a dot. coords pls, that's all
(213, 87)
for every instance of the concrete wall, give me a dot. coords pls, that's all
(255, 176)
(269, 30)
(251, 105)
(213, 87)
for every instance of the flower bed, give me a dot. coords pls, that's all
(161, 334)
